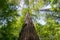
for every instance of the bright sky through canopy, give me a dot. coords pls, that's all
(41, 21)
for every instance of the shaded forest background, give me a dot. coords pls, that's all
(45, 15)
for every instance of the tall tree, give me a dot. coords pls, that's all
(28, 31)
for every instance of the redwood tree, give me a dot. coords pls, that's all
(28, 31)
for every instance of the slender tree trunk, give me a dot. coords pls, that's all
(28, 31)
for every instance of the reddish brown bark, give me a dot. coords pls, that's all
(28, 31)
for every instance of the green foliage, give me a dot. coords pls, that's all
(2, 3)
(8, 13)
(10, 29)
(49, 31)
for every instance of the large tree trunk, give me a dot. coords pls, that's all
(28, 31)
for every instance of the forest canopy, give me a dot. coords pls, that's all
(45, 15)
